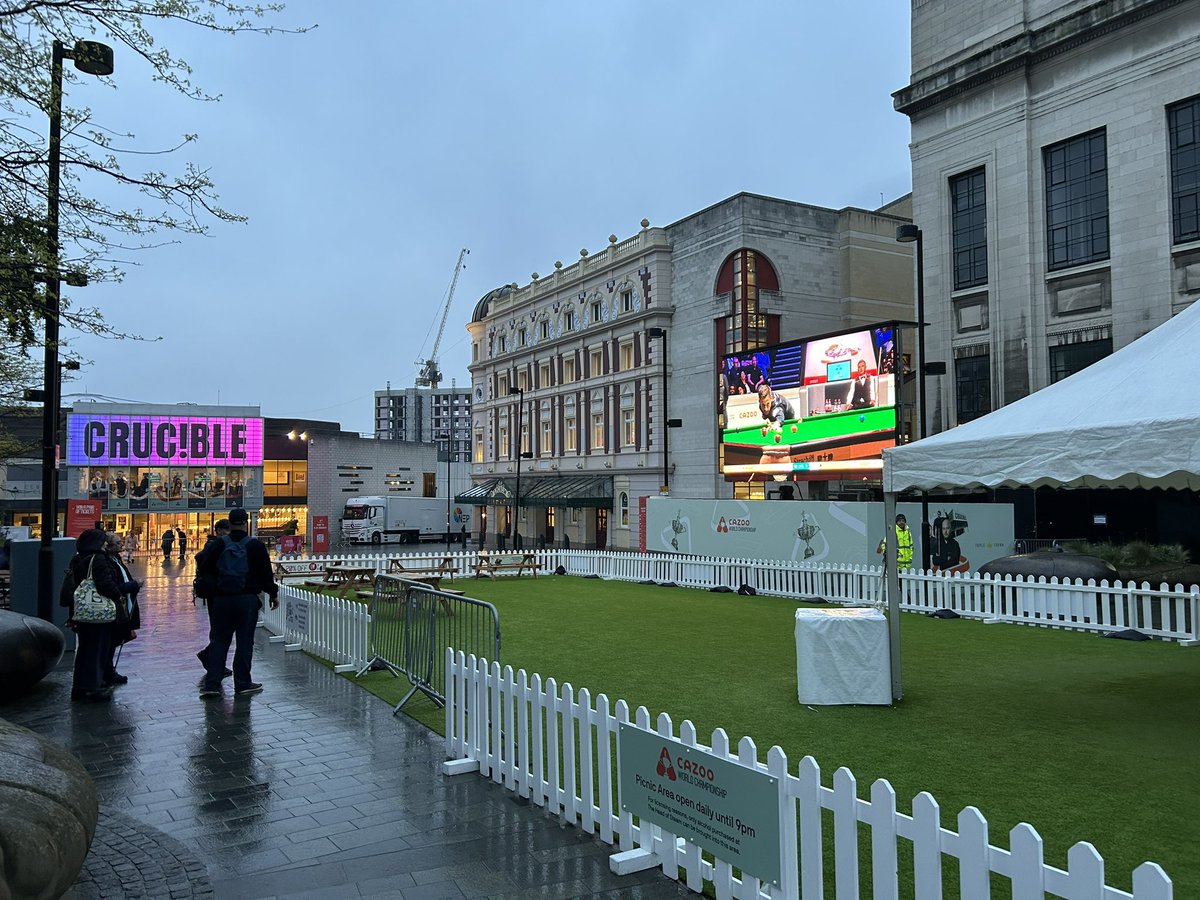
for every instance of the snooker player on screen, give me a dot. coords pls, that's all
(775, 408)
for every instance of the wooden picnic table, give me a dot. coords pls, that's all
(402, 566)
(491, 563)
(433, 582)
(344, 578)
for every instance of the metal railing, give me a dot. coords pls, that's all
(413, 624)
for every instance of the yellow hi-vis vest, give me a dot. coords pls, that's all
(904, 540)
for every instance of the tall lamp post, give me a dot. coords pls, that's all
(445, 435)
(668, 424)
(907, 234)
(519, 393)
(93, 58)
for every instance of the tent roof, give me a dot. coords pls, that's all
(1129, 420)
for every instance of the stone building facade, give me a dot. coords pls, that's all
(1056, 180)
(569, 386)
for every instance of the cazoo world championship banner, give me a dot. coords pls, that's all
(964, 536)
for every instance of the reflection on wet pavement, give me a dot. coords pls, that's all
(310, 789)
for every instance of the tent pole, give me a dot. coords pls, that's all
(891, 572)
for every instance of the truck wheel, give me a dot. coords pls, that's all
(376, 538)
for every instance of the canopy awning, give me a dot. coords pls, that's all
(541, 490)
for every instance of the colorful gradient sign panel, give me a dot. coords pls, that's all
(163, 441)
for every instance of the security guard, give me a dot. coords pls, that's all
(904, 540)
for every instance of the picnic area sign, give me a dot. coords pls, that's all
(723, 806)
(297, 616)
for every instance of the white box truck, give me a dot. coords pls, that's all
(404, 520)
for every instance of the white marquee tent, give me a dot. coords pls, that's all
(1129, 420)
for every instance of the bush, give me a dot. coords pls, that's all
(1135, 554)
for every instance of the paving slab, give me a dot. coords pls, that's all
(311, 789)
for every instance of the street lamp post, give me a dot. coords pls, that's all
(92, 58)
(515, 531)
(907, 234)
(449, 492)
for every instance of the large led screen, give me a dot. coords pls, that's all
(825, 406)
(163, 441)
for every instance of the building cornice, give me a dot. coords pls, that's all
(1025, 51)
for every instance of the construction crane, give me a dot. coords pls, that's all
(431, 373)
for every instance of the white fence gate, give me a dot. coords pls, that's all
(553, 746)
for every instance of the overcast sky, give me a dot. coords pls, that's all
(369, 151)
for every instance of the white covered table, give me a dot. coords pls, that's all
(842, 657)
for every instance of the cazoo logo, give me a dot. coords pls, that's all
(724, 526)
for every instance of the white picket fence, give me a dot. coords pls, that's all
(554, 747)
(332, 628)
(1164, 612)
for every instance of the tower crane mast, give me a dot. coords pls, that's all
(431, 373)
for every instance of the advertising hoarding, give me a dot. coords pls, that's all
(965, 536)
(825, 407)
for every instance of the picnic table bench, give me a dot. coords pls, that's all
(431, 581)
(343, 578)
(400, 566)
(491, 563)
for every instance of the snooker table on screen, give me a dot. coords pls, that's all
(819, 427)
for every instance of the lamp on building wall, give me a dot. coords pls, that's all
(92, 58)
(907, 234)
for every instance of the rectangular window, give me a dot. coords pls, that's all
(597, 431)
(503, 385)
(478, 446)
(572, 434)
(1076, 201)
(522, 337)
(544, 374)
(597, 363)
(1067, 359)
(968, 204)
(627, 301)
(475, 352)
(626, 356)
(1183, 125)
(547, 447)
(524, 439)
(545, 330)
(568, 369)
(569, 320)
(973, 386)
(502, 448)
(522, 381)
(503, 343)
(628, 431)
(597, 311)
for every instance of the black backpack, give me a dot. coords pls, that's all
(233, 566)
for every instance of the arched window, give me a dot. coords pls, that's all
(744, 274)
(623, 509)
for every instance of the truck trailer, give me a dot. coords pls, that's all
(403, 520)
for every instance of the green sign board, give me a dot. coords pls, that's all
(726, 808)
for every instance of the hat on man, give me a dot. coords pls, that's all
(238, 516)
(899, 517)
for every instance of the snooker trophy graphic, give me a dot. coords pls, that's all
(677, 526)
(806, 532)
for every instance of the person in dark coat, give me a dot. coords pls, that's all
(93, 641)
(210, 551)
(181, 539)
(234, 615)
(168, 541)
(122, 631)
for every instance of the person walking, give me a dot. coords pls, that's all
(240, 567)
(123, 630)
(92, 641)
(131, 543)
(168, 541)
(206, 587)
(182, 540)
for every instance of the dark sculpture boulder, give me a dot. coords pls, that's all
(47, 815)
(30, 648)
(1052, 564)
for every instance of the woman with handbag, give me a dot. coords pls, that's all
(96, 602)
(123, 630)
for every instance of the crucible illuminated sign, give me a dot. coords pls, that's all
(164, 441)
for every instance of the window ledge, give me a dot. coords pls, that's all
(1083, 269)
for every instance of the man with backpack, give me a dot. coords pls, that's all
(240, 569)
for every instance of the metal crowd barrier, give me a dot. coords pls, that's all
(412, 624)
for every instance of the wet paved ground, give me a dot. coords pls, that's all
(311, 789)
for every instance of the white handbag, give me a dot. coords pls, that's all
(92, 607)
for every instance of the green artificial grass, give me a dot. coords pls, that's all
(1086, 739)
